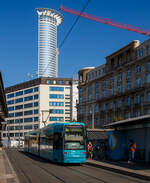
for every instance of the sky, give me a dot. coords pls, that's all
(87, 45)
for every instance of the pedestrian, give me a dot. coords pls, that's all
(95, 151)
(90, 150)
(132, 148)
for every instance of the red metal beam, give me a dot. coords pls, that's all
(107, 21)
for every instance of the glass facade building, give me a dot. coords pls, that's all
(48, 20)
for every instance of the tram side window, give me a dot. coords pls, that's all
(58, 141)
(46, 141)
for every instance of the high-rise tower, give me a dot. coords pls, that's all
(48, 20)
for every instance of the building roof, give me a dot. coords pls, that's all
(37, 81)
(3, 106)
(96, 134)
(130, 121)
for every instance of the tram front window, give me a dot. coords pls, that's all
(74, 138)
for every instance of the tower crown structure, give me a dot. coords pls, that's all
(48, 20)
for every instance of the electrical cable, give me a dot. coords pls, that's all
(69, 32)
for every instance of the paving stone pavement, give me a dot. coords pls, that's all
(7, 174)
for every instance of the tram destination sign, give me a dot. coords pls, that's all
(74, 129)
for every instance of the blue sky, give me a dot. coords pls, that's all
(88, 44)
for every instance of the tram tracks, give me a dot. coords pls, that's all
(26, 178)
(60, 173)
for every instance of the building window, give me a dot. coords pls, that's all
(36, 111)
(10, 95)
(96, 95)
(148, 96)
(57, 96)
(54, 82)
(97, 84)
(104, 84)
(90, 110)
(147, 49)
(111, 105)
(148, 66)
(103, 106)
(90, 92)
(119, 87)
(18, 100)
(11, 108)
(36, 97)
(111, 81)
(29, 127)
(111, 91)
(36, 89)
(10, 102)
(138, 69)
(96, 108)
(36, 119)
(137, 113)
(141, 52)
(128, 102)
(19, 93)
(61, 82)
(56, 111)
(56, 103)
(48, 81)
(28, 112)
(56, 119)
(119, 103)
(128, 115)
(81, 111)
(36, 104)
(28, 91)
(18, 114)
(11, 115)
(28, 105)
(67, 88)
(36, 127)
(18, 121)
(28, 98)
(148, 78)
(10, 121)
(128, 73)
(128, 85)
(67, 82)
(120, 77)
(28, 120)
(104, 93)
(138, 99)
(52, 88)
(18, 107)
(81, 99)
(138, 82)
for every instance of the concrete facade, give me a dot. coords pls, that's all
(117, 90)
(36, 103)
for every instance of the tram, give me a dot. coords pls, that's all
(58, 142)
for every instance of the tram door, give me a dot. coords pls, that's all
(58, 147)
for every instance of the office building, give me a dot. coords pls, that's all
(38, 102)
(48, 20)
(117, 90)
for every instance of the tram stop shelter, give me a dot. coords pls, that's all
(137, 129)
(3, 107)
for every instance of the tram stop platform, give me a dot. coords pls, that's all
(7, 173)
(137, 170)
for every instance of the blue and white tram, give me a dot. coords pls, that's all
(58, 142)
